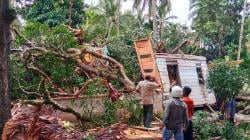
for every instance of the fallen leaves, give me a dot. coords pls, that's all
(36, 123)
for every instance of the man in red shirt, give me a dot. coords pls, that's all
(188, 134)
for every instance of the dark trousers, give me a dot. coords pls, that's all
(147, 115)
(188, 134)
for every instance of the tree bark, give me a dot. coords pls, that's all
(241, 30)
(6, 18)
(70, 12)
(153, 15)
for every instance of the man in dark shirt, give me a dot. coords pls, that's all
(176, 116)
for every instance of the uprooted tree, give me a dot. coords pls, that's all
(54, 62)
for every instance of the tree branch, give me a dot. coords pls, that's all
(175, 50)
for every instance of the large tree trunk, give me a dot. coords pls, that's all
(5, 19)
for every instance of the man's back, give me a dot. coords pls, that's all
(176, 114)
(147, 89)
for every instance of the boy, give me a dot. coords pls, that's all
(188, 133)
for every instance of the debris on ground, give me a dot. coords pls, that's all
(36, 123)
(122, 131)
(136, 134)
(112, 132)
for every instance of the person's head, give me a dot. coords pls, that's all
(176, 92)
(152, 79)
(186, 91)
(148, 78)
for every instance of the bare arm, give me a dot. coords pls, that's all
(138, 88)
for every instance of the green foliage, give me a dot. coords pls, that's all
(246, 64)
(175, 34)
(18, 73)
(205, 129)
(135, 110)
(129, 105)
(53, 13)
(217, 23)
(95, 25)
(60, 70)
(225, 80)
(229, 132)
(121, 47)
(126, 55)
(96, 87)
(110, 112)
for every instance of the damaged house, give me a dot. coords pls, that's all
(175, 69)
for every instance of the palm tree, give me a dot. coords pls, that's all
(164, 7)
(111, 10)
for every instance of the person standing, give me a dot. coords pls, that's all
(230, 109)
(146, 88)
(175, 116)
(188, 133)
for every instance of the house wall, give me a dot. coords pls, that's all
(188, 76)
(85, 105)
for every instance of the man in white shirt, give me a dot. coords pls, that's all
(146, 88)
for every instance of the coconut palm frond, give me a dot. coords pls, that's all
(171, 17)
(193, 5)
(193, 14)
(136, 4)
(166, 4)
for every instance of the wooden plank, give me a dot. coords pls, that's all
(146, 58)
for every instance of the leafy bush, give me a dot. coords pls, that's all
(54, 13)
(226, 80)
(205, 129)
(109, 116)
(135, 110)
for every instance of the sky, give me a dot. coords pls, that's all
(180, 8)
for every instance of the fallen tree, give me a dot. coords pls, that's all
(52, 57)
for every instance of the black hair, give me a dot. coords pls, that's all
(186, 91)
(148, 77)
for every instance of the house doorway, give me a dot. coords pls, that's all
(173, 74)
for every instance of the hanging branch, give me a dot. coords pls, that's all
(175, 50)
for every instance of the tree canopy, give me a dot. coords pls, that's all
(52, 13)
